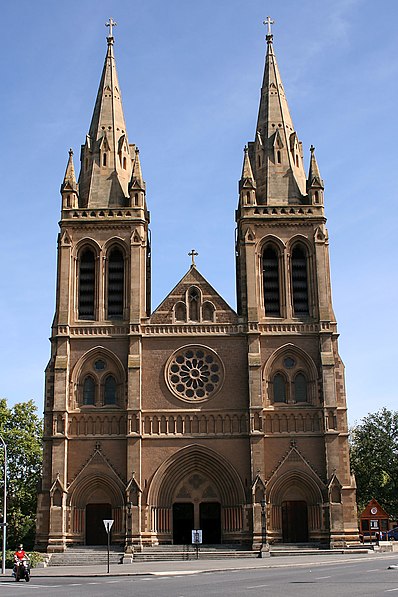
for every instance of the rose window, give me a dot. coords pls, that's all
(194, 373)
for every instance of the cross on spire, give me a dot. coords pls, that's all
(268, 22)
(193, 254)
(111, 23)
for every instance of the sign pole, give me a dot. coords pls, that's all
(109, 544)
(108, 525)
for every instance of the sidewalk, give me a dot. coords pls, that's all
(198, 566)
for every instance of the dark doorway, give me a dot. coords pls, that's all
(210, 522)
(95, 529)
(183, 523)
(294, 522)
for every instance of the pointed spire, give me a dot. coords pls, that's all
(247, 172)
(247, 184)
(69, 188)
(70, 177)
(106, 159)
(314, 176)
(137, 181)
(276, 152)
(315, 184)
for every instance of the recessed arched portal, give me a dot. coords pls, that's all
(196, 488)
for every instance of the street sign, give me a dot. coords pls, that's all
(108, 525)
(196, 536)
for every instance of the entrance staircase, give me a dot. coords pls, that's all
(87, 556)
(158, 553)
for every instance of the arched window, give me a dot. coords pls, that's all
(115, 284)
(271, 282)
(110, 390)
(208, 312)
(89, 391)
(299, 281)
(193, 301)
(180, 312)
(124, 163)
(300, 388)
(279, 157)
(279, 384)
(87, 284)
(104, 159)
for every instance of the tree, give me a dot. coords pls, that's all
(21, 429)
(374, 459)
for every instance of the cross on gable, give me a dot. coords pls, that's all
(193, 254)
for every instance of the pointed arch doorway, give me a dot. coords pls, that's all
(95, 528)
(196, 488)
(294, 521)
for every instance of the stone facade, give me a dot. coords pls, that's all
(194, 415)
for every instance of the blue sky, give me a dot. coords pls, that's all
(190, 74)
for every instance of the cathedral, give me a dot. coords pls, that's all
(194, 416)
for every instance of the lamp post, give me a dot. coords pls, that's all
(263, 524)
(4, 523)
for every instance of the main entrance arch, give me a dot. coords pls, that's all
(196, 488)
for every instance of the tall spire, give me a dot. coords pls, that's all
(276, 154)
(106, 158)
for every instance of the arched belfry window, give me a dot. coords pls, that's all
(271, 282)
(299, 281)
(110, 390)
(193, 303)
(115, 284)
(279, 384)
(89, 391)
(300, 388)
(87, 284)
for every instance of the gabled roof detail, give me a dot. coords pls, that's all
(193, 278)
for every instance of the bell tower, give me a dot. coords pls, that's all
(299, 446)
(103, 295)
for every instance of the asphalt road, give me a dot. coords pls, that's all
(359, 577)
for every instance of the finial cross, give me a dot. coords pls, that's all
(193, 254)
(268, 21)
(111, 23)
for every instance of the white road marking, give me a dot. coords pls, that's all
(389, 590)
(322, 577)
(374, 570)
(257, 587)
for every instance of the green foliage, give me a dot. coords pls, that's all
(35, 558)
(21, 429)
(374, 460)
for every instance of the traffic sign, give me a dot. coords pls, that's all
(108, 525)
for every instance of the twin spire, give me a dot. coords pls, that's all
(273, 171)
(110, 166)
(275, 156)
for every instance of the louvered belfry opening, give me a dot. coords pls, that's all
(115, 284)
(299, 281)
(271, 282)
(87, 285)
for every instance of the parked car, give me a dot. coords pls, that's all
(393, 534)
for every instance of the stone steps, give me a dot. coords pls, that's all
(86, 556)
